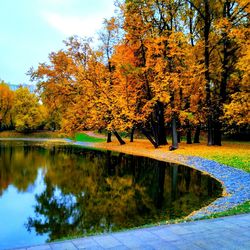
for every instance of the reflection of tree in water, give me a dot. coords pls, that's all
(99, 203)
(18, 166)
(98, 192)
(55, 212)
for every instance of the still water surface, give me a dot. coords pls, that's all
(50, 191)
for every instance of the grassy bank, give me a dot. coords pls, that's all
(232, 153)
(241, 209)
(82, 137)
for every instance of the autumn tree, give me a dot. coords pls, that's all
(214, 25)
(154, 29)
(109, 37)
(236, 110)
(6, 105)
(28, 113)
(165, 63)
(55, 85)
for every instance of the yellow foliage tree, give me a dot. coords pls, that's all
(28, 113)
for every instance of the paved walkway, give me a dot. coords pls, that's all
(223, 233)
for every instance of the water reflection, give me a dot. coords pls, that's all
(87, 191)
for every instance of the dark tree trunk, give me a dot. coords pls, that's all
(189, 136)
(217, 133)
(224, 78)
(226, 56)
(179, 137)
(189, 132)
(121, 141)
(109, 137)
(132, 134)
(207, 24)
(158, 125)
(162, 140)
(197, 134)
(174, 135)
(214, 131)
(149, 137)
(210, 134)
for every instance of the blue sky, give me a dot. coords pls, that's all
(31, 29)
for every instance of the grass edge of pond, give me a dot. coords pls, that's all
(240, 209)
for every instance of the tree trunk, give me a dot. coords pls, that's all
(217, 133)
(158, 124)
(224, 79)
(109, 137)
(207, 24)
(179, 136)
(197, 134)
(149, 137)
(121, 141)
(189, 136)
(132, 134)
(174, 135)
(210, 134)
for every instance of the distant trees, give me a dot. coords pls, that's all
(20, 110)
(6, 105)
(28, 113)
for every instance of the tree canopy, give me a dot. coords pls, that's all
(174, 65)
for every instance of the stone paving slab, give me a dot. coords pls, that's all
(227, 233)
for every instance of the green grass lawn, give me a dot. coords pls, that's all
(232, 153)
(86, 138)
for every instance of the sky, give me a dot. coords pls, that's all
(31, 29)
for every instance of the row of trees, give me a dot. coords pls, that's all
(20, 109)
(177, 64)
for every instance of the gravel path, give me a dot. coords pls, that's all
(236, 184)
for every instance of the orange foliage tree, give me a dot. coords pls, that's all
(160, 64)
(6, 105)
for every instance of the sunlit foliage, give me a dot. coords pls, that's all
(28, 114)
(6, 105)
(181, 65)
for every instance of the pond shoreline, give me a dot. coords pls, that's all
(235, 182)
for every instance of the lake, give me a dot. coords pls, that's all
(50, 191)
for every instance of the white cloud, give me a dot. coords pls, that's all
(73, 25)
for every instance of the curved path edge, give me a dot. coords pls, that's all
(235, 182)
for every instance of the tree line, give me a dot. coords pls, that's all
(179, 65)
(20, 109)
